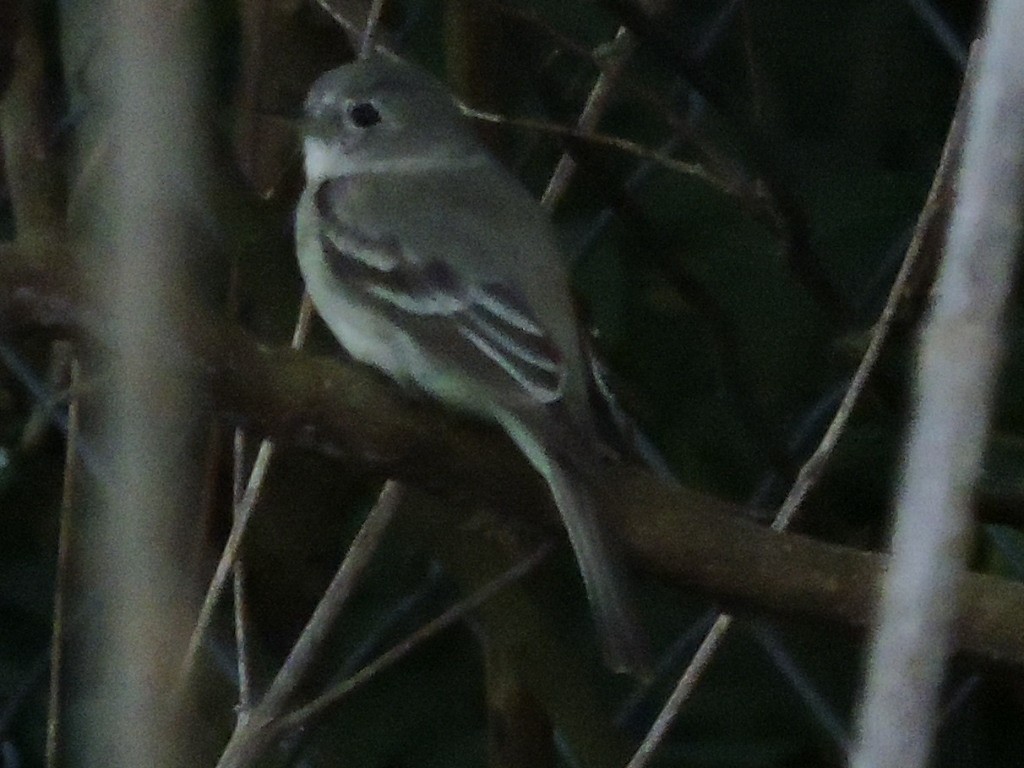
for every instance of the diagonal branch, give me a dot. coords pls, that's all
(348, 411)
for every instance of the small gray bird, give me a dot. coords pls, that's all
(429, 261)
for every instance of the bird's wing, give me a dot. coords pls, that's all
(485, 326)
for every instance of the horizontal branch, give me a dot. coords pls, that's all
(693, 540)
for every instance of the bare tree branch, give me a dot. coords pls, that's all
(352, 413)
(959, 360)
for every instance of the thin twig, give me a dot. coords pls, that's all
(701, 659)
(238, 588)
(354, 29)
(53, 717)
(239, 523)
(42, 415)
(938, 195)
(625, 82)
(255, 20)
(366, 46)
(625, 145)
(271, 730)
(813, 468)
(310, 642)
(715, 31)
(323, 620)
(944, 34)
(597, 103)
(359, 31)
(799, 681)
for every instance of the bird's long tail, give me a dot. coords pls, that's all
(570, 478)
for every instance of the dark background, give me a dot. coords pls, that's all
(732, 321)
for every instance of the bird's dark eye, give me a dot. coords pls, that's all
(363, 114)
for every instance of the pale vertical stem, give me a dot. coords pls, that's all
(145, 109)
(959, 359)
(813, 468)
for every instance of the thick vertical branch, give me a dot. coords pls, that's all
(138, 142)
(955, 384)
